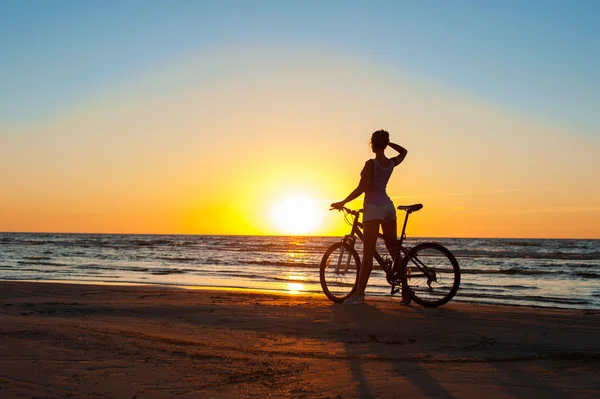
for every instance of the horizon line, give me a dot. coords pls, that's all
(297, 235)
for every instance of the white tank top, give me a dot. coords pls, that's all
(375, 193)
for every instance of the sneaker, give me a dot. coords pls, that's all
(355, 300)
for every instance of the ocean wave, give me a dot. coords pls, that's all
(466, 253)
(587, 275)
(164, 272)
(37, 258)
(276, 249)
(177, 258)
(281, 263)
(113, 268)
(520, 287)
(529, 272)
(42, 270)
(495, 288)
(151, 242)
(525, 298)
(251, 262)
(43, 263)
(513, 271)
(522, 243)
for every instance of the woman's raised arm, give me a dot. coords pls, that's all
(401, 153)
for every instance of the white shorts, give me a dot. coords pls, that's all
(385, 212)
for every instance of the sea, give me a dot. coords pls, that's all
(558, 273)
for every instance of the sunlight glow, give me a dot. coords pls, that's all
(295, 288)
(297, 215)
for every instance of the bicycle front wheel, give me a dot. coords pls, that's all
(432, 274)
(339, 272)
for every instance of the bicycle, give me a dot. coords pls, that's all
(429, 270)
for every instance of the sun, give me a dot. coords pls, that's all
(297, 215)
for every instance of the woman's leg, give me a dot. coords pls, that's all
(390, 232)
(371, 228)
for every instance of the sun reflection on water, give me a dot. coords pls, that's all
(295, 288)
(296, 277)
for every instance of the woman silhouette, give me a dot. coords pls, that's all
(379, 210)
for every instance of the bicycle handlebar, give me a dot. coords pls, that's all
(408, 208)
(350, 211)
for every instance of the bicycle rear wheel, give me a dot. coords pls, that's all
(432, 274)
(339, 271)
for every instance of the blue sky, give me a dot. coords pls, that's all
(539, 59)
(111, 112)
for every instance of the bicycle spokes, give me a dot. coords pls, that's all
(339, 270)
(434, 274)
(429, 273)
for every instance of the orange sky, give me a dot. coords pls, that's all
(197, 146)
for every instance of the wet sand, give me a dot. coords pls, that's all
(90, 341)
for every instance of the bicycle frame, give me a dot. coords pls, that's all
(356, 230)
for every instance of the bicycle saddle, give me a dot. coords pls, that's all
(410, 208)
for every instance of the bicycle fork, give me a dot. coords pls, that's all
(342, 267)
(341, 264)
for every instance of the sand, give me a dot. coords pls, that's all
(98, 341)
